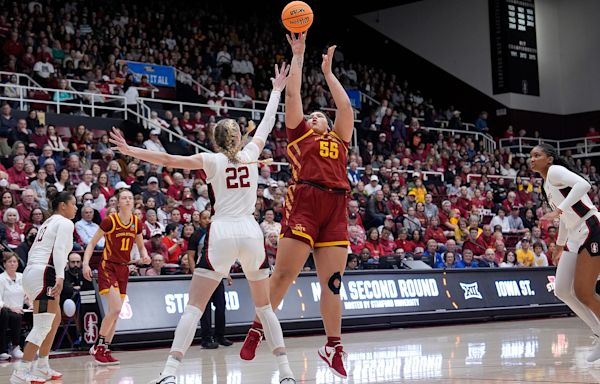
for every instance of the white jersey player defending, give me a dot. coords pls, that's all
(233, 234)
(578, 237)
(42, 282)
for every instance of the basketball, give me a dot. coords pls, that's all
(297, 17)
(69, 308)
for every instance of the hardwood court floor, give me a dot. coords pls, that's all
(532, 351)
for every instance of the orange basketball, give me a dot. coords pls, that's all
(297, 16)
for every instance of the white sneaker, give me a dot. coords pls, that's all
(47, 373)
(595, 354)
(21, 377)
(17, 353)
(4, 356)
(287, 380)
(164, 380)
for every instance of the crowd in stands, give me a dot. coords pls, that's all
(416, 193)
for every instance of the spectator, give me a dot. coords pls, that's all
(502, 220)
(403, 242)
(365, 259)
(153, 143)
(12, 299)
(486, 239)
(43, 69)
(377, 211)
(373, 185)
(431, 255)
(488, 260)
(536, 237)
(448, 261)
(467, 260)
(86, 228)
(16, 174)
(510, 260)
(472, 244)
(27, 206)
(431, 210)
(434, 231)
(269, 225)
(419, 190)
(481, 123)
(373, 244)
(158, 261)
(525, 256)
(155, 245)
(173, 243)
(386, 239)
(22, 250)
(8, 123)
(352, 262)
(154, 192)
(353, 209)
(85, 185)
(411, 223)
(539, 258)
(514, 222)
(14, 228)
(353, 174)
(500, 251)
(410, 201)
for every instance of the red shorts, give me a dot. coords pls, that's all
(113, 275)
(315, 216)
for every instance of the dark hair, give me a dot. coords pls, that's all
(538, 244)
(61, 197)
(550, 151)
(170, 228)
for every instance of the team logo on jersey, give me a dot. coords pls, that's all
(594, 247)
(471, 290)
(300, 228)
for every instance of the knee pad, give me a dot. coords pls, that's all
(42, 324)
(271, 327)
(335, 283)
(186, 329)
(258, 275)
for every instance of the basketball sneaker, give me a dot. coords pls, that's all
(102, 355)
(165, 380)
(47, 373)
(595, 354)
(251, 343)
(334, 357)
(21, 377)
(109, 356)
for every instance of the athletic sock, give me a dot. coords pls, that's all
(100, 341)
(284, 366)
(333, 341)
(42, 362)
(170, 366)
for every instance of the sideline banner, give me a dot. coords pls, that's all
(158, 75)
(158, 303)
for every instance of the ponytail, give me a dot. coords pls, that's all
(55, 198)
(550, 151)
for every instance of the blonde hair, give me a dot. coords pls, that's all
(225, 134)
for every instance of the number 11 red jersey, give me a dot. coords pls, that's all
(119, 238)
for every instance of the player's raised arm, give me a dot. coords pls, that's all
(266, 125)
(293, 98)
(344, 117)
(159, 158)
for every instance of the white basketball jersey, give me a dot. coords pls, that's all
(53, 244)
(232, 187)
(561, 183)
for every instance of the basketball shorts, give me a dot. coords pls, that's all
(231, 239)
(587, 236)
(38, 280)
(315, 216)
(113, 275)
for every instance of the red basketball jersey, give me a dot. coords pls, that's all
(318, 158)
(119, 238)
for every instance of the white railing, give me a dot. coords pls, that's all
(497, 177)
(111, 86)
(117, 103)
(488, 142)
(20, 76)
(580, 147)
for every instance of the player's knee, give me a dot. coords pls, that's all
(585, 297)
(42, 325)
(113, 312)
(335, 283)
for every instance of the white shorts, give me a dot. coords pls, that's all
(37, 282)
(229, 240)
(586, 236)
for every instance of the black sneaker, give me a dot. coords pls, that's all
(209, 343)
(224, 341)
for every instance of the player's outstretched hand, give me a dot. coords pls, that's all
(117, 138)
(327, 59)
(297, 42)
(281, 77)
